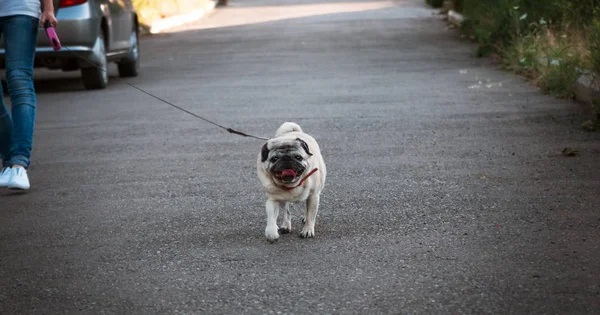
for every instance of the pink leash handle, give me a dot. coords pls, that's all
(54, 41)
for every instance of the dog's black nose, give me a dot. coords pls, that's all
(286, 158)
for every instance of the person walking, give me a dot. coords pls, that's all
(19, 20)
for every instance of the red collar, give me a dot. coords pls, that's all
(301, 181)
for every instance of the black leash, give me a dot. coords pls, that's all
(230, 130)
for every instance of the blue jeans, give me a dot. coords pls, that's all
(16, 129)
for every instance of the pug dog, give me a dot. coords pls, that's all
(291, 170)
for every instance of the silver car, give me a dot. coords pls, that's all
(100, 31)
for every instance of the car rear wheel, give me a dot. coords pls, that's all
(130, 67)
(95, 78)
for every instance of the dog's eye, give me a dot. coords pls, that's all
(298, 157)
(274, 159)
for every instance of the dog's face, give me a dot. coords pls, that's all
(287, 160)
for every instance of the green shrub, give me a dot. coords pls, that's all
(522, 56)
(491, 23)
(549, 41)
(494, 23)
(577, 13)
(457, 5)
(435, 3)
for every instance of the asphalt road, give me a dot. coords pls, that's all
(447, 191)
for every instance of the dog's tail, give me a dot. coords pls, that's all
(287, 127)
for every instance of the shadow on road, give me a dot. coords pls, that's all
(49, 82)
(12, 193)
(53, 85)
(58, 85)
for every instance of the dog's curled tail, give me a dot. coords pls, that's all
(287, 127)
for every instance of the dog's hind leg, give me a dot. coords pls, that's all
(312, 207)
(286, 225)
(272, 208)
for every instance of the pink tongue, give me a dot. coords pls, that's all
(288, 173)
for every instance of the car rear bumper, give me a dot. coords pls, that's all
(68, 58)
(73, 57)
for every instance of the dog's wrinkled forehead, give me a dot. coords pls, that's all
(286, 146)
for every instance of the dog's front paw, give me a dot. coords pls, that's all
(307, 232)
(284, 230)
(286, 227)
(271, 234)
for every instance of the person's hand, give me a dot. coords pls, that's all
(48, 16)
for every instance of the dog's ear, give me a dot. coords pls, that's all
(304, 146)
(264, 152)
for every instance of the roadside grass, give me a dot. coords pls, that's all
(552, 42)
(553, 60)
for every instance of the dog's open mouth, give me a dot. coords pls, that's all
(287, 175)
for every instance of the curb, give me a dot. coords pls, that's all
(455, 18)
(179, 20)
(587, 89)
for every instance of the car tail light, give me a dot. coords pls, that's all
(69, 3)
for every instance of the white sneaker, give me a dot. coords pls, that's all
(5, 176)
(18, 179)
